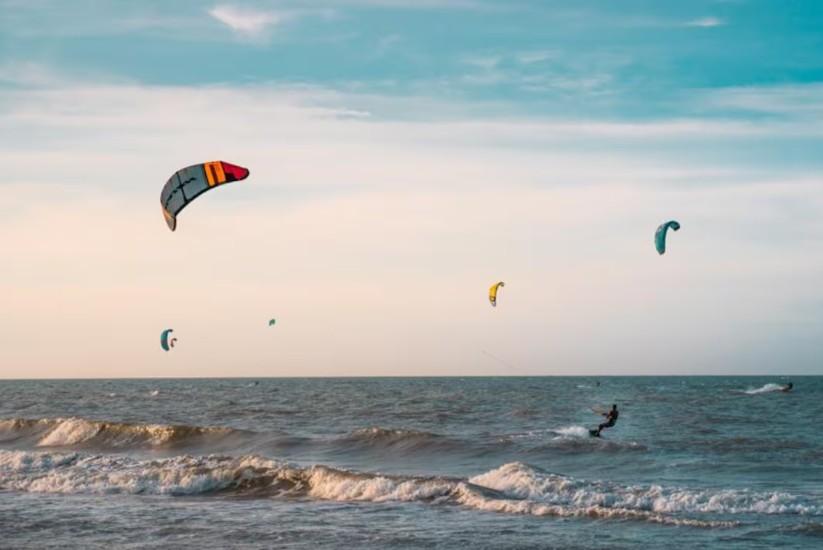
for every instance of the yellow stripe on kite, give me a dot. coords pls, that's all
(218, 170)
(214, 173)
(207, 168)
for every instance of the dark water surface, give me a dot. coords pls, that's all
(711, 462)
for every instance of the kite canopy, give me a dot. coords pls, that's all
(189, 183)
(493, 292)
(165, 342)
(271, 322)
(660, 235)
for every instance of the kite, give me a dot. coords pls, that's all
(493, 292)
(189, 183)
(165, 342)
(660, 235)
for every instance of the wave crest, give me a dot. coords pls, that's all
(80, 432)
(526, 482)
(513, 488)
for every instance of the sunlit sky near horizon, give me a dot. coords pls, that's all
(405, 155)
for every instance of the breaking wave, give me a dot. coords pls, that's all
(80, 432)
(526, 482)
(513, 488)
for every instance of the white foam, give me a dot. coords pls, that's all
(331, 484)
(513, 488)
(97, 474)
(480, 502)
(573, 431)
(521, 481)
(766, 388)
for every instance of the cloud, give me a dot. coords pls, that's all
(545, 73)
(797, 100)
(246, 22)
(487, 62)
(537, 56)
(706, 22)
(420, 4)
(25, 74)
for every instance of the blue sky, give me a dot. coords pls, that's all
(639, 58)
(405, 155)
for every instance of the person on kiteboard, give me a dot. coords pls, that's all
(611, 419)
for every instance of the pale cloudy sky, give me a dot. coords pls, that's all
(403, 157)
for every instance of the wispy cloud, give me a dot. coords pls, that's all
(483, 61)
(419, 4)
(706, 22)
(246, 22)
(27, 73)
(543, 71)
(804, 101)
(538, 56)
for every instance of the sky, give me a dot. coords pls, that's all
(404, 156)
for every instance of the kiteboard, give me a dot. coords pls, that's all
(594, 433)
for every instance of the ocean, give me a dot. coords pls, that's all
(697, 462)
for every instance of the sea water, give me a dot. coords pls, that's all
(709, 462)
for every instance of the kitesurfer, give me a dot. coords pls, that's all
(787, 388)
(611, 419)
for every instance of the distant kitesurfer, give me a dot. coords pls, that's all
(787, 388)
(611, 419)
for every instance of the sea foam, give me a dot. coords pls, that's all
(766, 388)
(513, 488)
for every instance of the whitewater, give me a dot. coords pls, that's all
(715, 462)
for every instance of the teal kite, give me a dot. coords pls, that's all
(271, 322)
(165, 342)
(660, 235)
